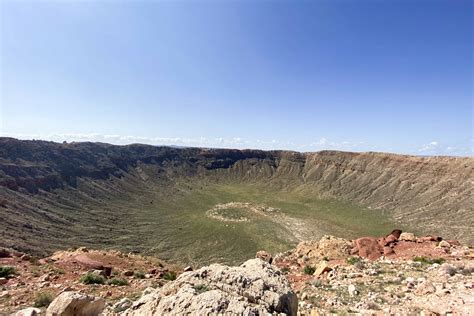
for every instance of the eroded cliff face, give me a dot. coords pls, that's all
(435, 193)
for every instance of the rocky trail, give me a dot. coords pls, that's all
(396, 274)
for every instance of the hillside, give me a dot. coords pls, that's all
(155, 199)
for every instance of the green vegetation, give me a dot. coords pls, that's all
(43, 299)
(171, 220)
(309, 270)
(91, 278)
(117, 282)
(53, 269)
(7, 272)
(353, 260)
(139, 275)
(201, 288)
(169, 275)
(426, 260)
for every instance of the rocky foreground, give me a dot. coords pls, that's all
(396, 274)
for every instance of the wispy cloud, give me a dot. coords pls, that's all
(325, 143)
(431, 148)
(437, 148)
(234, 142)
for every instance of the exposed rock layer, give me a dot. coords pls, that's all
(436, 192)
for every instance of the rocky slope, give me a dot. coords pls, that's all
(420, 274)
(46, 186)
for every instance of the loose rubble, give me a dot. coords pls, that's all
(399, 273)
(418, 275)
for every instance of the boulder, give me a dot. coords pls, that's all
(30, 311)
(447, 269)
(390, 239)
(387, 251)
(265, 256)
(5, 253)
(368, 247)
(425, 288)
(84, 260)
(322, 267)
(453, 242)
(407, 237)
(253, 288)
(396, 233)
(352, 290)
(328, 246)
(122, 305)
(75, 304)
(429, 238)
(444, 244)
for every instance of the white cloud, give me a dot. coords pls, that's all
(437, 148)
(234, 142)
(431, 148)
(323, 143)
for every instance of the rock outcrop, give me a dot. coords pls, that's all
(75, 304)
(253, 288)
(327, 247)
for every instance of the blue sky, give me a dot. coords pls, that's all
(303, 75)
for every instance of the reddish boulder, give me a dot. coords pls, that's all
(87, 262)
(396, 233)
(454, 242)
(391, 239)
(387, 251)
(265, 256)
(368, 247)
(429, 238)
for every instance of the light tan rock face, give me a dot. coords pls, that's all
(328, 247)
(255, 287)
(407, 237)
(75, 304)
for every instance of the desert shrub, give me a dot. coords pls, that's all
(91, 278)
(201, 288)
(426, 260)
(7, 272)
(169, 275)
(139, 274)
(118, 282)
(43, 299)
(309, 270)
(353, 260)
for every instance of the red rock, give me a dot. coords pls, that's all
(84, 260)
(388, 251)
(368, 248)
(429, 238)
(454, 242)
(396, 233)
(391, 239)
(265, 256)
